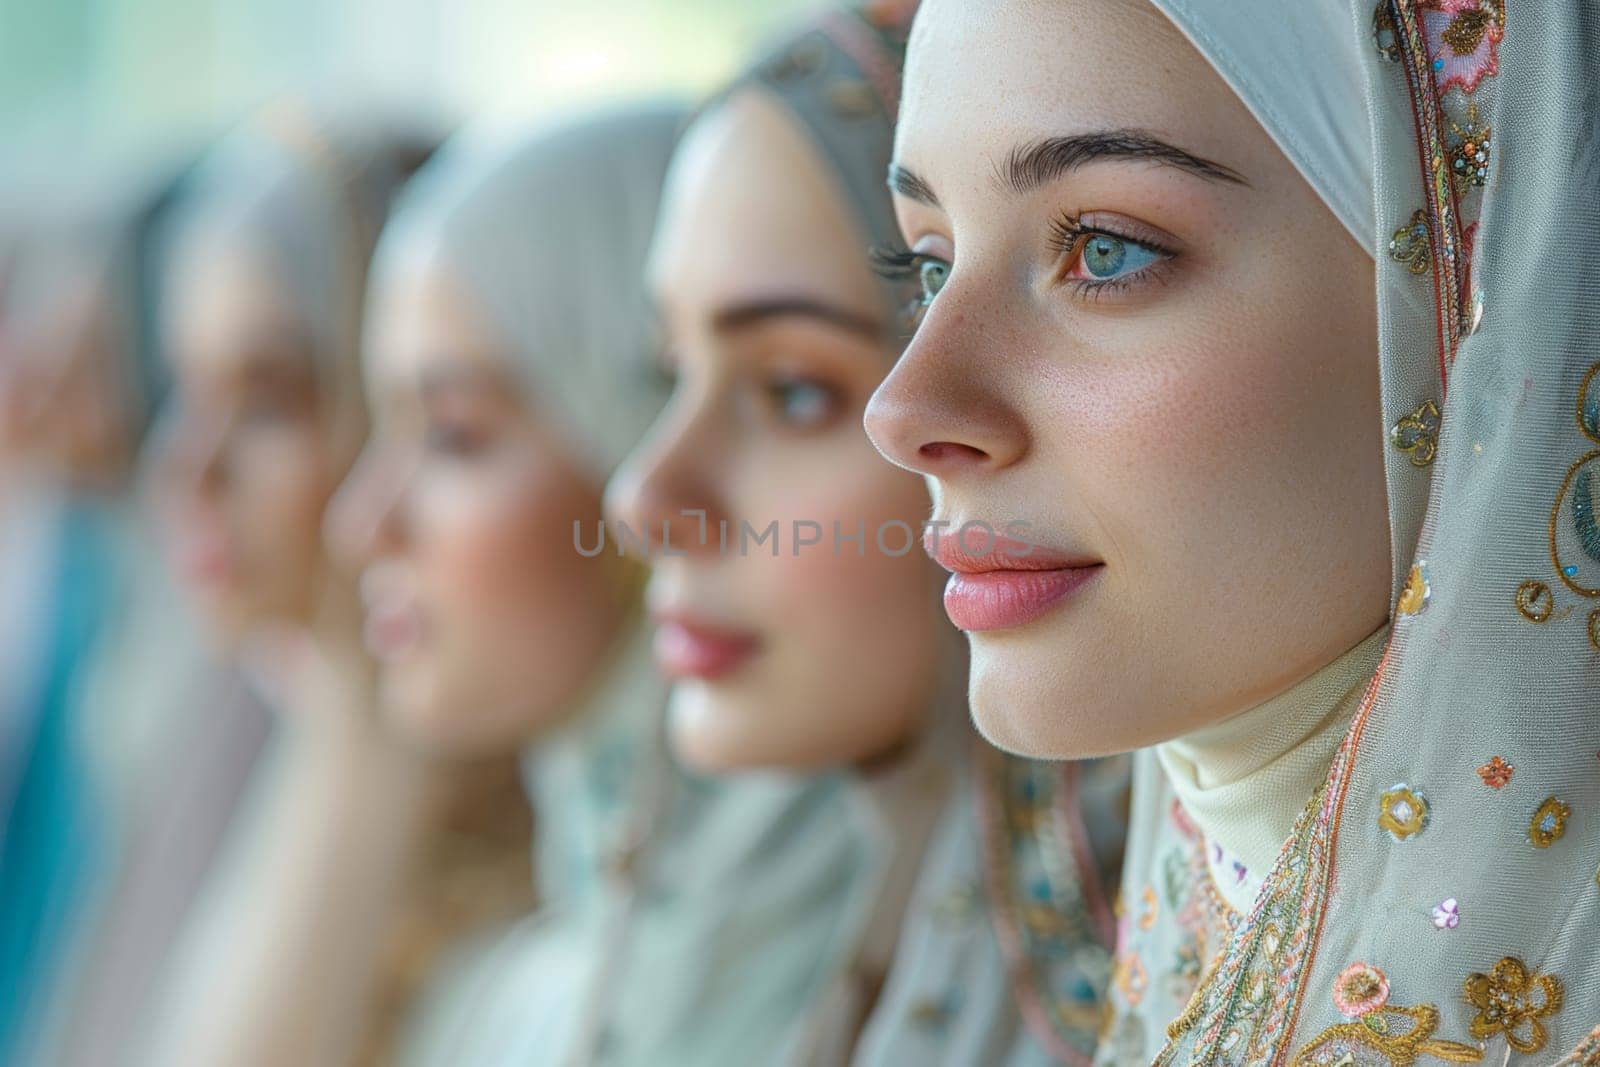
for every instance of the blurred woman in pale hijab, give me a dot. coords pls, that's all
(1281, 330)
(262, 285)
(684, 921)
(794, 609)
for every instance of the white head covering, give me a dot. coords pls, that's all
(1438, 899)
(492, 209)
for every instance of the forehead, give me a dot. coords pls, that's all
(988, 77)
(223, 298)
(422, 321)
(751, 209)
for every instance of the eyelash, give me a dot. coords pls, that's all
(901, 265)
(1066, 232)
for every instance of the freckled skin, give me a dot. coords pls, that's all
(851, 647)
(515, 623)
(1212, 434)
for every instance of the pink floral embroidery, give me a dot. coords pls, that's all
(1359, 990)
(1462, 38)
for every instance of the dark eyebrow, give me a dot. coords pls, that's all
(1032, 165)
(754, 312)
(907, 184)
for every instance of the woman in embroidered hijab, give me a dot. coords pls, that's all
(1237, 198)
(829, 656)
(682, 920)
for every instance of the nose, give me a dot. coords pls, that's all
(663, 499)
(937, 413)
(366, 517)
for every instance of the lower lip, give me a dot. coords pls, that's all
(391, 633)
(690, 652)
(1003, 600)
(204, 564)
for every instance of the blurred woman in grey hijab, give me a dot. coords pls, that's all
(262, 281)
(683, 920)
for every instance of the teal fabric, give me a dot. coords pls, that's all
(53, 835)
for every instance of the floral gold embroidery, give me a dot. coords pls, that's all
(1391, 1036)
(1549, 823)
(1534, 601)
(1462, 38)
(1403, 812)
(1132, 979)
(1511, 1000)
(1496, 773)
(1469, 155)
(1409, 245)
(1147, 919)
(1416, 593)
(1418, 434)
(1359, 989)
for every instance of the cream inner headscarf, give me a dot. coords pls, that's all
(1437, 902)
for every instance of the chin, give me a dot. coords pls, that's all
(1041, 714)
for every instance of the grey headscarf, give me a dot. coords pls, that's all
(310, 195)
(548, 235)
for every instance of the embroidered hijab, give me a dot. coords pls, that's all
(1437, 899)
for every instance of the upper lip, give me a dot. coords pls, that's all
(1000, 553)
(714, 630)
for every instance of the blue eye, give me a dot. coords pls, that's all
(933, 274)
(1105, 257)
(803, 403)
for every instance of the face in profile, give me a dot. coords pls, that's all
(776, 333)
(1146, 338)
(459, 515)
(253, 442)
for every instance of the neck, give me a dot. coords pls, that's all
(1245, 780)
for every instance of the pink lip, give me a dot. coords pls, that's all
(1002, 583)
(203, 558)
(686, 648)
(393, 628)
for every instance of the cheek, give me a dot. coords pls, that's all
(829, 604)
(1230, 441)
(496, 554)
(278, 486)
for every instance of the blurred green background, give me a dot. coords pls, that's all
(82, 80)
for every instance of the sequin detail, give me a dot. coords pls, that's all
(1403, 812)
(1469, 154)
(1496, 774)
(1511, 1000)
(1534, 601)
(1418, 591)
(1418, 434)
(1549, 823)
(1447, 914)
(1409, 245)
